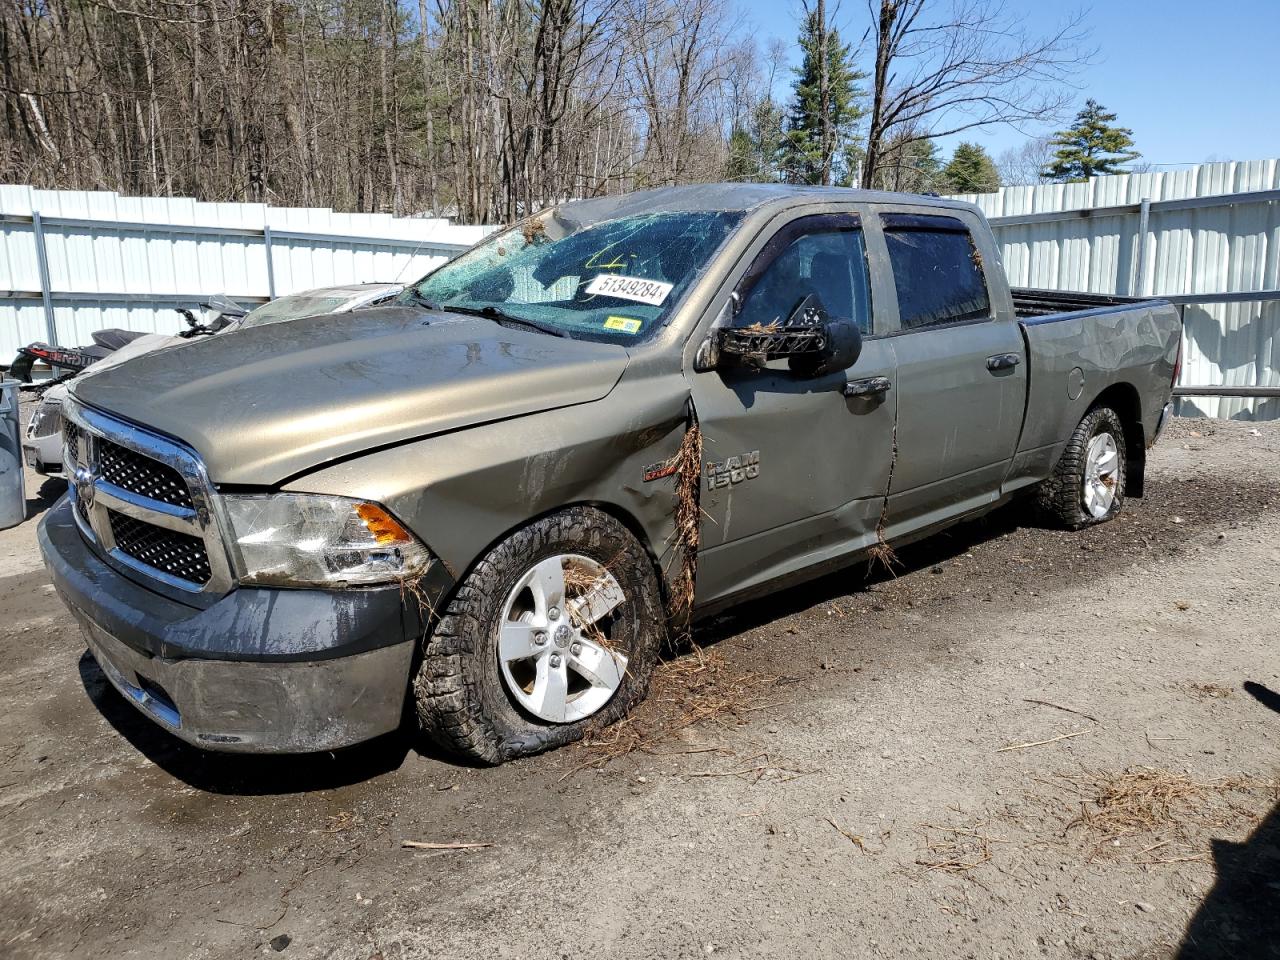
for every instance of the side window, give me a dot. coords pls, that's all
(830, 263)
(936, 269)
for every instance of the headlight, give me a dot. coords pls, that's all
(47, 420)
(307, 540)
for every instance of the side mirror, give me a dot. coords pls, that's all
(812, 343)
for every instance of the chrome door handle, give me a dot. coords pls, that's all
(870, 387)
(1003, 361)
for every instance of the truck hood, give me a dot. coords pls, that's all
(264, 404)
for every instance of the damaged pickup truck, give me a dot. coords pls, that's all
(488, 504)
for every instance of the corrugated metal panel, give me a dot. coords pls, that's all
(88, 259)
(1219, 249)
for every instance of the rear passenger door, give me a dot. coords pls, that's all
(961, 370)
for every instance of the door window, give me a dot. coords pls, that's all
(936, 270)
(827, 262)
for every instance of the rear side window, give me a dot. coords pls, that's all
(936, 269)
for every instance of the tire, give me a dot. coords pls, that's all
(1065, 499)
(477, 698)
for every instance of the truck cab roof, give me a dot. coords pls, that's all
(738, 197)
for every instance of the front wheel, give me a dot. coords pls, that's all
(1087, 485)
(556, 629)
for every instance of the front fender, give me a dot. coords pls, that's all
(463, 492)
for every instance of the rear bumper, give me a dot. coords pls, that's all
(261, 671)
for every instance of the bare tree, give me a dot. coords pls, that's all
(941, 69)
(680, 78)
(481, 109)
(1023, 166)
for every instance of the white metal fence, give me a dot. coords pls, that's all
(1207, 237)
(73, 262)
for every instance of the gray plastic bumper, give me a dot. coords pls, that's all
(265, 671)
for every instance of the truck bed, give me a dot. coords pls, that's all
(1079, 346)
(1029, 303)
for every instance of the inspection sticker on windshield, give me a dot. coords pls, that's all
(653, 292)
(625, 324)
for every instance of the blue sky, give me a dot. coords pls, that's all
(1195, 80)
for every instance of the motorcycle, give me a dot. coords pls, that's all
(218, 313)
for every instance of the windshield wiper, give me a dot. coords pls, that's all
(413, 294)
(499, 315)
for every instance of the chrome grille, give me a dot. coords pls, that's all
(146, 502)
(71, 442)
(141, 475)
(176, 554)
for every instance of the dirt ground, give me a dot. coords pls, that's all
(1026, 743)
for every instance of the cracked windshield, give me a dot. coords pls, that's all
(607, 280)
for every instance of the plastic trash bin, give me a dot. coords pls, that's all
(13, 487)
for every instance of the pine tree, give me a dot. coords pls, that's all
(971, 170)
(743, 163)
(755, 149)
(806, 158)
(1091, 148)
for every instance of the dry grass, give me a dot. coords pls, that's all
(534, 231)
(579, 585)
(411, 591)
(1158, 812)
(1209, 691)
(857, 839)
(759, 767)
(687, 520)
(955, 850)
(695, 690)
(882, 553)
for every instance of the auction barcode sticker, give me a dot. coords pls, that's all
(629, 288)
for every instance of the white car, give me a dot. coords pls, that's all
(42, 444)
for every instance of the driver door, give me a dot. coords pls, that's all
(794, 471)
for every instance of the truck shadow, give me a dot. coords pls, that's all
(247, 774)
(46, 495)
(1240, 918)
(1171, 513)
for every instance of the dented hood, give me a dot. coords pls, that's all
(263, 404)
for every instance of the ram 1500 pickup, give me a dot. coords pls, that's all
(493, 500)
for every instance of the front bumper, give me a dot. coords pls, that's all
(260, 670)
(43, 457)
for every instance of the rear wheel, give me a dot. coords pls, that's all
(1087, 485)
(558, 628)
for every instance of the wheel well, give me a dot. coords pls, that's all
(637, 530)
(618, 513)
(1124, 399)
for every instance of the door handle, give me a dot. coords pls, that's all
(1003, 361)
(870, 387)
